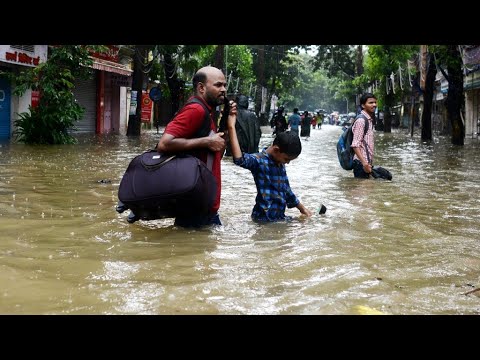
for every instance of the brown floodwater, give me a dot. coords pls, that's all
(409, 246)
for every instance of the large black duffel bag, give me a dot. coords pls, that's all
(157, 186)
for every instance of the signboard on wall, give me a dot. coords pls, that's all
(146, 107)
(35, 98)
(120, 80)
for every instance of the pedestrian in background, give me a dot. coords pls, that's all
(363, 143)
(294, 121)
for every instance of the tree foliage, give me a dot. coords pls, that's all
(238, 66)
(271, 66)
(304, 88)
(339, 61)
(381, 61)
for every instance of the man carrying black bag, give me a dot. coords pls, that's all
(181, 136)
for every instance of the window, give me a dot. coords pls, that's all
(29, 48)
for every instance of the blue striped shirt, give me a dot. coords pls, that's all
(273, 188)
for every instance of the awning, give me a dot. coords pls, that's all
(110, 66)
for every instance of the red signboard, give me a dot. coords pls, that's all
(22, 58)
(146, 107)
(35, 98)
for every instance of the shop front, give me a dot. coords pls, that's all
(12, 59)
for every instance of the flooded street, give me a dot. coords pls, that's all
(409, 246)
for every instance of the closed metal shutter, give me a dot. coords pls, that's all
(85, 92)
(4, 109)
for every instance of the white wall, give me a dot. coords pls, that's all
(40, 51)
(123, 110)
(472, 106)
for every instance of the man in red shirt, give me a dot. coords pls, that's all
(209, 86)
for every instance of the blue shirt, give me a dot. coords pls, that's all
(273, 188)
(294, 120)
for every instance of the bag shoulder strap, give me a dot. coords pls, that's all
(205, 130)
(364, 133)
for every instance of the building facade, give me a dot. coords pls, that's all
(471, 85)
(104, 95)
(12, 59)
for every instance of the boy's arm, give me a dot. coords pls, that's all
(232, 132)
(304, 210)
(258, 131)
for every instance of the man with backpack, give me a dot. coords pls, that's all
(363, 143)
(182, 135)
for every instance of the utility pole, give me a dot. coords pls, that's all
(139, 63)
(226, 61)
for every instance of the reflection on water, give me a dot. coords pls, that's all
(410, 246)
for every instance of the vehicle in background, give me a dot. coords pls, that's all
(342, 119)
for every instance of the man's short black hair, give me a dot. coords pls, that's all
(365, 97)
(288, 143)
(200, 76)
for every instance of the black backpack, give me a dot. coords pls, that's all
(157, 186)
(344, 151)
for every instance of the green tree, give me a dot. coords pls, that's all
(431, 72)
(338, 60)
(172, 67)
(57, 111)
(270, 66)
(449, 57)
(381, 61)
(179, 64)
(141, 68)
(237, 64)
(308, 89)
(345, 65)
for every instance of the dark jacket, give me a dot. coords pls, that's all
(247, 126)
(279, 122)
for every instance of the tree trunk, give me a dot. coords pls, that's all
(389, 99)
(260, 79)
(172, 81)
(134, 121)
(455, 95)
(412, 114)
(428, 99)
(387, 118)
(269, 99)
(359, 61)
(220, 58)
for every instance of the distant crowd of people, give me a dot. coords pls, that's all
(295, 122)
